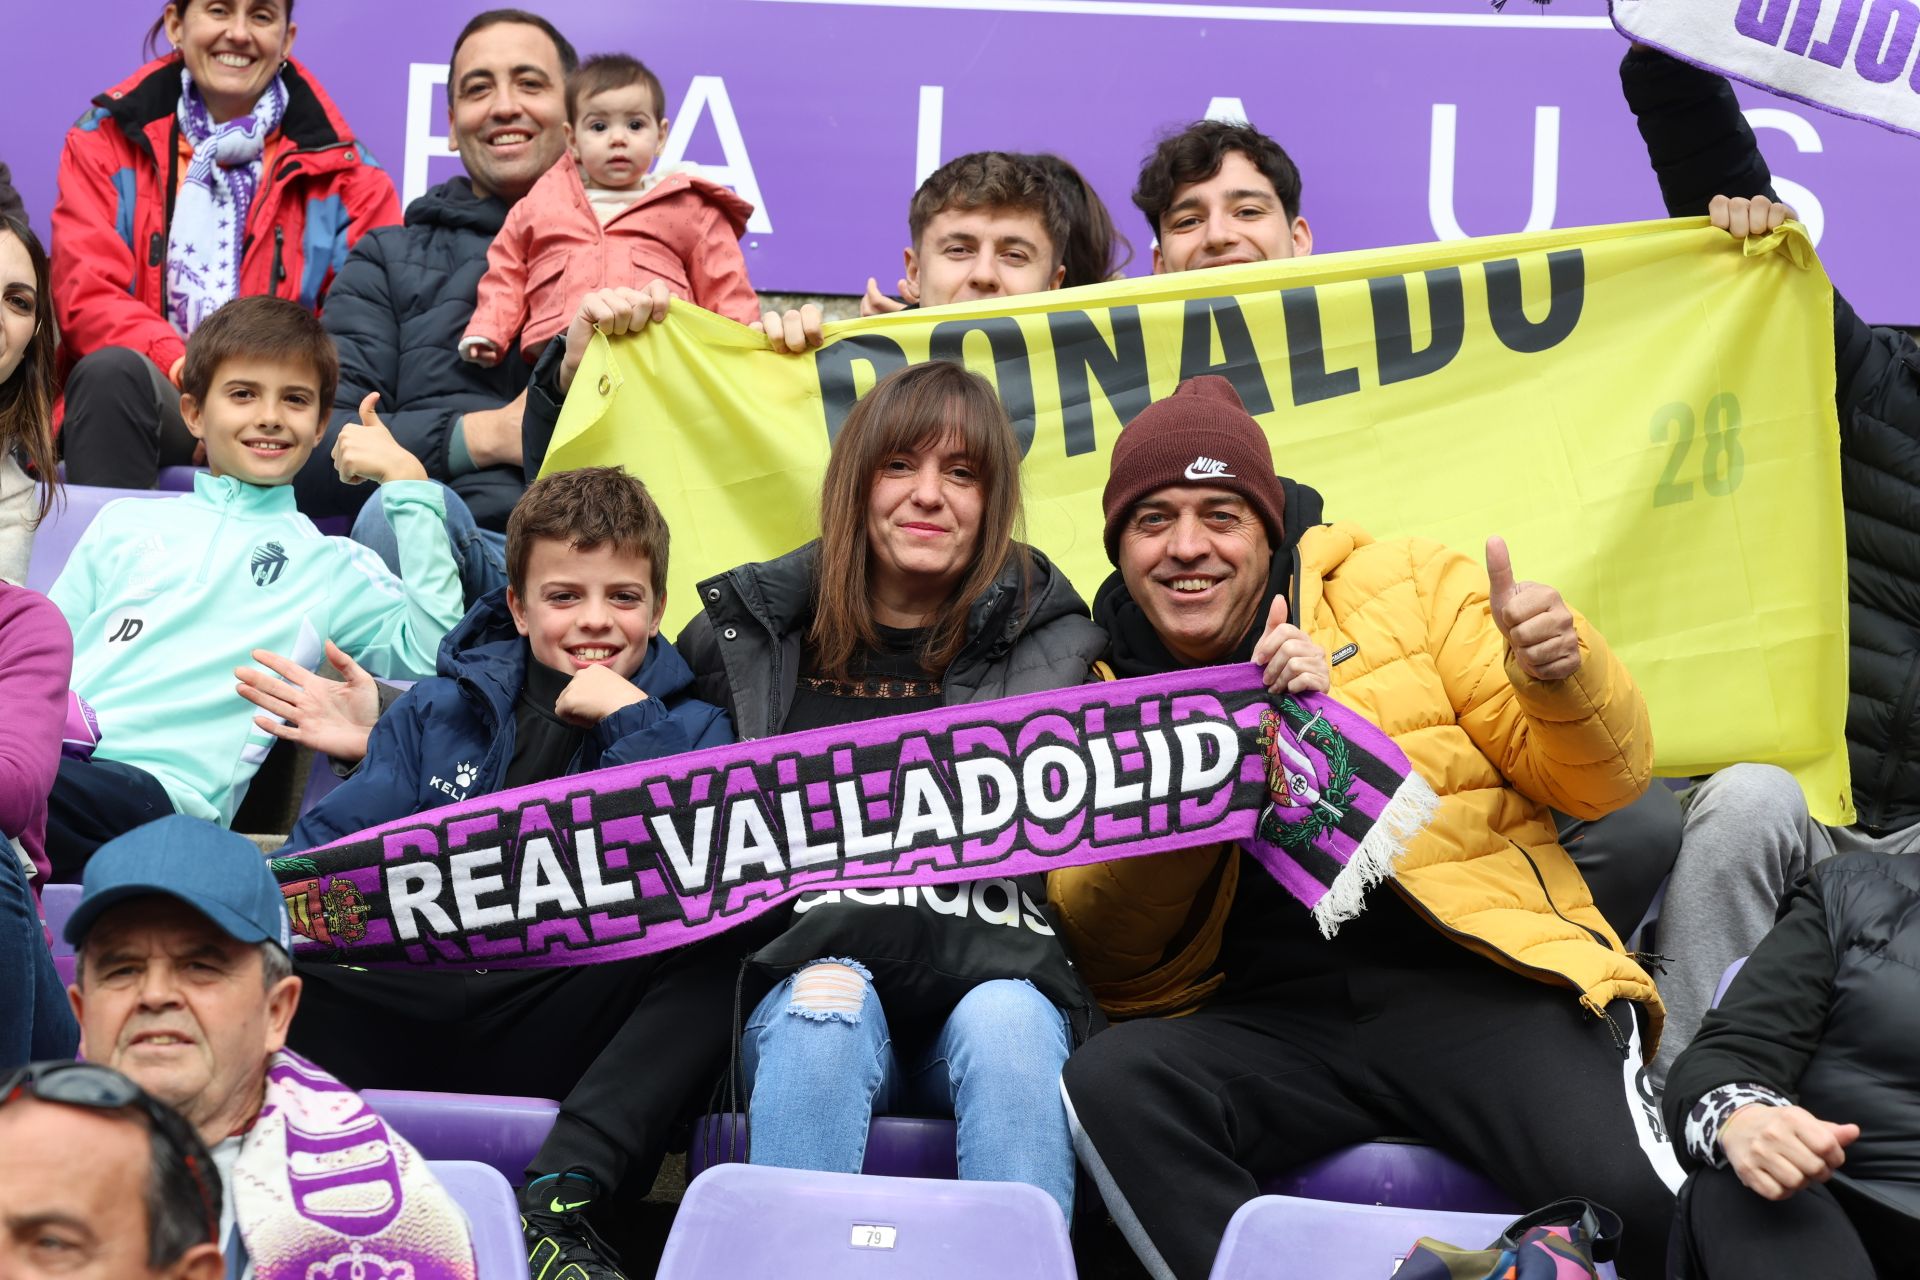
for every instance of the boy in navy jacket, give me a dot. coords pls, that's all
(561, 672)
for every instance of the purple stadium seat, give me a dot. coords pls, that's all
(66, 966)
(1397, 1174)
(493, 1213)
(54, 540)
(1726, 980)
(1341, 1241)
(177, 479)
(57, 903)
(897, 1147)
(503, 1132)
(746, 1220)
(321, 780)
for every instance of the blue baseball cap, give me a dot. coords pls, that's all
(221, 875)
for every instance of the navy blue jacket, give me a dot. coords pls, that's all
(396, 311)
(452, 737)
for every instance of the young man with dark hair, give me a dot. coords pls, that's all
(560, 672)
(986, 225)
(1217, 193)
(404, 298)
(166, 596)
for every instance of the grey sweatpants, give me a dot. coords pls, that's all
(1748, 838)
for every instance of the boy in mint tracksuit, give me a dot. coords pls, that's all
(166, 597)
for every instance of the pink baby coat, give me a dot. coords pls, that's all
(553, 251)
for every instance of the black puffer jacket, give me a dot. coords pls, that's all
(397, 311)
(1701, 146)
(744, 647)
(923, 949)
(1827, 1012)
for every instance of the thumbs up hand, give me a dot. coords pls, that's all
(1293, 662)
(1536, 622)
(366, 450)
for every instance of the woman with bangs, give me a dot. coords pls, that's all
(957, 1000)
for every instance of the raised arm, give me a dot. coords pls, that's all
(1700, 144)
(394, 626)
(1534, 684)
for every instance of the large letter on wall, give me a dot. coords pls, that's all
(423, 144)
(1440, 181)
(709, 93)
(1806, 139)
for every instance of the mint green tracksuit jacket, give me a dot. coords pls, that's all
(166, 596)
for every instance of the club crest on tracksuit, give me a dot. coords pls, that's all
(269, 560)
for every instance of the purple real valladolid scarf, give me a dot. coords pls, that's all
(648, 856)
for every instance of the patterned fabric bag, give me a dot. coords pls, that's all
(1563, 1241)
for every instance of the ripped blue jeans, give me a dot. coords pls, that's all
(821, 1063)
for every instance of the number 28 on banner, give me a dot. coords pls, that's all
(1723, 461)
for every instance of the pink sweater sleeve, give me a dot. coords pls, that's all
(36, 665)
(501, 310)
(717, 272)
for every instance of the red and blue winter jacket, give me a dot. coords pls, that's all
(118, 177)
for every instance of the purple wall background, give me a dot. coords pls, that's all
(827, 96)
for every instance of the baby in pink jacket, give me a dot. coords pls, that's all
(620, 225)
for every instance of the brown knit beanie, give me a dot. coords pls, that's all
(1199, 435)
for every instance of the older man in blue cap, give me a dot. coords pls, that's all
(185, 985)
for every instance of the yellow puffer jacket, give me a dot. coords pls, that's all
(1498, 747)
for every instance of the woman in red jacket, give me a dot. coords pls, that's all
(219, 171)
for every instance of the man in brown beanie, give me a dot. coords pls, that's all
(1480, 1002)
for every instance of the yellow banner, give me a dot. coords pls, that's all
(1645, 412)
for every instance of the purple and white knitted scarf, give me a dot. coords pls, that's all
(323, 1190)
(209, 227)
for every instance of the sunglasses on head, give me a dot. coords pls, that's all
(97, 1088)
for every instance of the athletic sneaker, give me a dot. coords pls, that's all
(561, 1243)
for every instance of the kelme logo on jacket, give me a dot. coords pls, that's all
(463, 776)
(269, 561)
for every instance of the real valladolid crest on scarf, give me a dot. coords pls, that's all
(649, 856)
